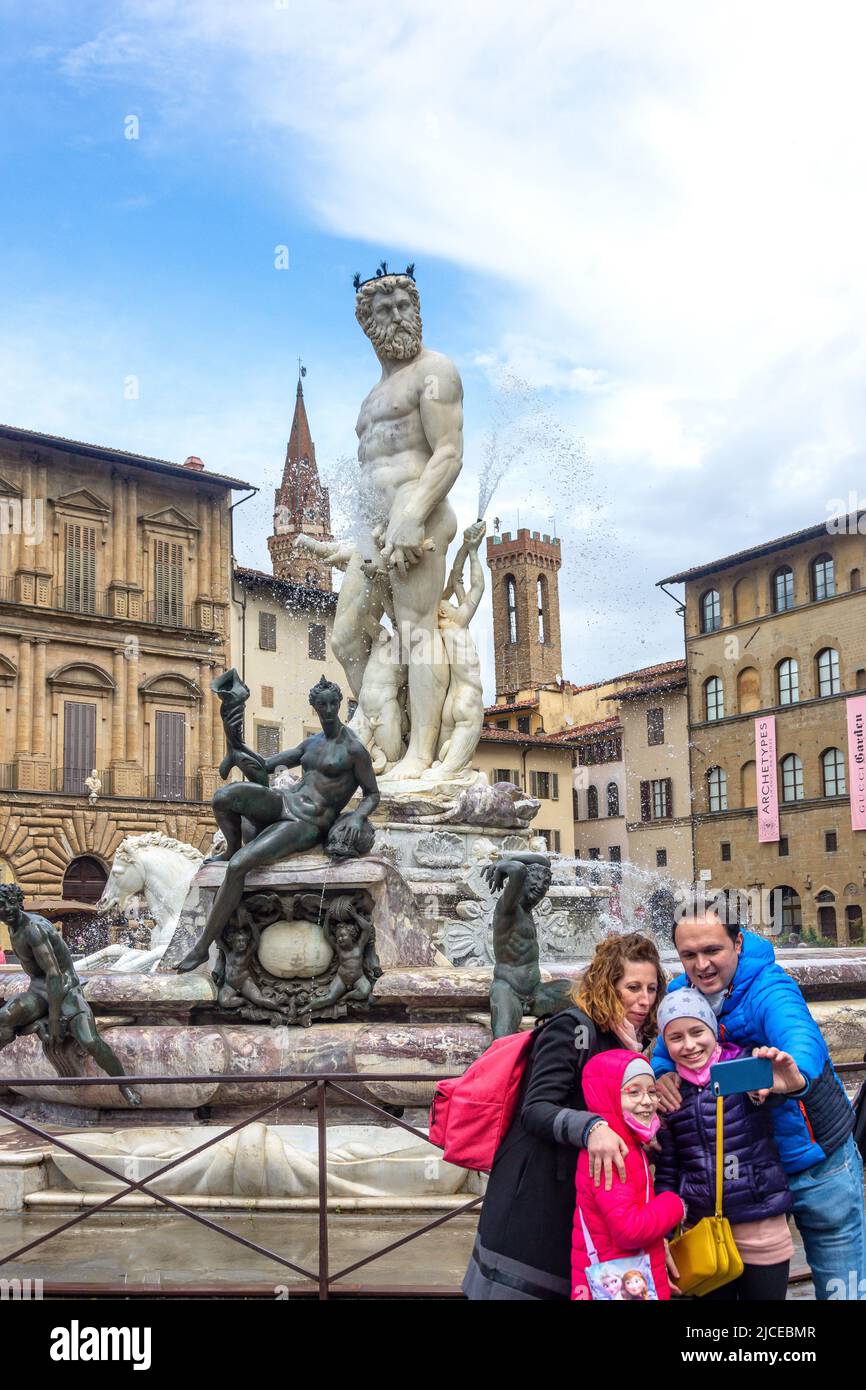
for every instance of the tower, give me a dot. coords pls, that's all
(300, 504)
(525, 588)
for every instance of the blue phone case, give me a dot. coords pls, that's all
(741, 1075)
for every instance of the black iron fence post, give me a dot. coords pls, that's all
(322, 1122)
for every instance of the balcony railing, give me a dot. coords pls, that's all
(155, 612)
(72, 779)
(168, 786)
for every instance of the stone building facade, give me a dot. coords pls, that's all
(778, 630)
(540, 766)
(281, 644)
(114, 618)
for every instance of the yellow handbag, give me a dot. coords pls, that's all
(706, 1256)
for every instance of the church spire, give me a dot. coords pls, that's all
(300, 503)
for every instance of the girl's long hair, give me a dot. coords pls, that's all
(595, 991)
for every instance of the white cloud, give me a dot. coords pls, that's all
(667, 201)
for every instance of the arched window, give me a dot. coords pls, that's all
(792, 778)
(714, 698)
(592, 802)
(786, 912)
(711, 611)
(744, 599)
(826, 914)
(85, 879)
(854, 581)
(612, 799)
(833, 772)
(717, 789)
(788, 674)
(783, 589)
(511, 606)
(748, 784)
(748, 690)
(541, 592)
(823, 577)
(828, 672)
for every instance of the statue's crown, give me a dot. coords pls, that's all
(381, 271)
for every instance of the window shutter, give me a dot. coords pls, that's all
(79, 577)
(168, 581)
(533, 784)
(79, 744)
(268, 632)
(170, 759)
(554, 782)
(645, 805)
(669, 796)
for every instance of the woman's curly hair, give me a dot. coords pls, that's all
(595, 991)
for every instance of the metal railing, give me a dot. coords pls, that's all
(171, 786)
(322, 1281)
(98, 604)
(168, 786)
(321, 1085)
(71, 780)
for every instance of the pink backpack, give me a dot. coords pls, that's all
(470, 1114)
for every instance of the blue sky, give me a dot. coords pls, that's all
(653, 216)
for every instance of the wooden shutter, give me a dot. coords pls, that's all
(554, 783)
(79, 744)
(170, 759)
(268, 632)
(168, 582)
(79, 574)
(268, 740)
(316, 642)
(669, 796)
(645, 803)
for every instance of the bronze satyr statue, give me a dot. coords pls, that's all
(517, 989)
(282, 821)
(54, 1006)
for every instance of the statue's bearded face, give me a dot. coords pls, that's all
(389, 312)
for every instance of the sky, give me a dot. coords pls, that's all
(638, 230)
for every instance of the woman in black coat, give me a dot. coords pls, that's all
(523, 1245)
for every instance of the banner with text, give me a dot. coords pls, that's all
(856, 709)
(765, 767)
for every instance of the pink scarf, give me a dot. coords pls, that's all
(700, 1078)
(644, 1132)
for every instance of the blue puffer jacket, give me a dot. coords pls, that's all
(766, 1007)
(687, 1162)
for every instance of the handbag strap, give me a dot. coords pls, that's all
(587, 1238)
(720, 1151)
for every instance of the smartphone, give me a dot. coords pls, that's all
(741, 1075)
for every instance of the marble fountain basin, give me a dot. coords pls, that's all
(263, 1161)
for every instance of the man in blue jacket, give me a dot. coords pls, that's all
(756, 1002)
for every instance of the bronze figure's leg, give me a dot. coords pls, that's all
(272, 844)
(506, 1009)
(20, 1012)
(83, 1029)
(239, 801)
(550, 997)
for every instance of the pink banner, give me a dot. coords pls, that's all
(856, 708)
(765, 765)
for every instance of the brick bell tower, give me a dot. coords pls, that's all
(525, 587)
(300, 504)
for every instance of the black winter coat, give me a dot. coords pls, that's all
(754, 1187)
(523, 1246)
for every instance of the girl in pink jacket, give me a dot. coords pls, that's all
(619, 1235)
